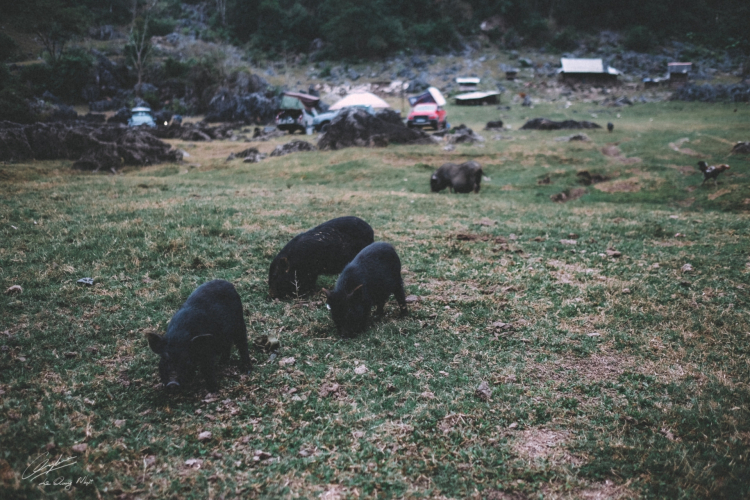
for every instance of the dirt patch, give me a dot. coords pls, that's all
(565, 273)
(720, 192)
(544, 445)
(612, 151)
(453, 292)
(630, 185)
(568, 195)
(677, 146)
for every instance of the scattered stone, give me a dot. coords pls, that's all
(483, 392)
(741, 148)
(292, 147)
(494, 125)
(15, 289)
(546, 124)
(574, 137)
(459, 135)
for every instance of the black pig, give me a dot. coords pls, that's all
(463, 178)
(206, 326)
(325, 249)
(370, 279)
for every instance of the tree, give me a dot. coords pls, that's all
(55, 22)
(139, 47)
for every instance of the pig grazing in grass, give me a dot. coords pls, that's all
(325, 249)
(463, 178)
(370, 279)
(204, 328)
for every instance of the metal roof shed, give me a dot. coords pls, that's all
(587, 71)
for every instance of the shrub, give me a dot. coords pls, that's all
(639, 39)
(160, 27)
(8, 48)
(13, 107)
(565, 40)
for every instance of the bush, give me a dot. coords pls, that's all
(639, 39)
(175, 69)
(13, 107)
(160, 27)
(565, 40)
(536, 32)
(70, 74)
(8, 48)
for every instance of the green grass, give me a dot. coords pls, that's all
(619, 376)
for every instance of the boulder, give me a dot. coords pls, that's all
(226, 106)
(93, 147)
(356, 127)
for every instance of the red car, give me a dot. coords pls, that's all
(426, 115)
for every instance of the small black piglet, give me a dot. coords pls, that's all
(205, 327)
(370, 279)
(325, 249)
(463, 178)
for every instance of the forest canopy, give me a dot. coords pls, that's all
(376, 28)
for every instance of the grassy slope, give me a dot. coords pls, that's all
(595, 391)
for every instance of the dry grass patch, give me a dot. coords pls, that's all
(544, 445)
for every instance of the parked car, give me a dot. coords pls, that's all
(427, 115)
(321, 121)
(297, 112)
(141, 116)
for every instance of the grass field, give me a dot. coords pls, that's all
(612, 370)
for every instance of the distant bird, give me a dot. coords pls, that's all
(610, 126)
(711, 172)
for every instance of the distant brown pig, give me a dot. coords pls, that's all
(463, 178)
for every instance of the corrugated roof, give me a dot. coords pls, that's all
(469, 80)
(679, 67)
(475, 95)
(586, 66)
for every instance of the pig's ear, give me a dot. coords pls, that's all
(355, 293)
(156, 342)
(327, 293)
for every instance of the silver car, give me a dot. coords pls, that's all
(141, 116)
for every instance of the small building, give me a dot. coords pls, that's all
(511, 73)
(477, 98)
(590, 71)
(679, 72)
(467, 84)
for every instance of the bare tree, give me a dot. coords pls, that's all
(139, 48)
